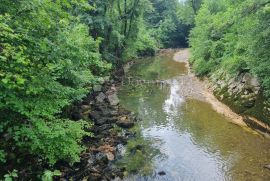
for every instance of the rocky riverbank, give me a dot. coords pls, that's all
(244, 95)
(239, 98)
(110, 130)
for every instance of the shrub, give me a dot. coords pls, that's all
(47, 61)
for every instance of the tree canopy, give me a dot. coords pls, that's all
(233, 36)
(53, 52)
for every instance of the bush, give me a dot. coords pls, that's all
(233, 36)
(47, 61)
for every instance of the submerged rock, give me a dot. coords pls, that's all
(267, 166)
(162, 173)
(95, 177)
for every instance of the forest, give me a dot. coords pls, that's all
(52, 52)
(233, 35)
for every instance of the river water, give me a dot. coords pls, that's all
(185, 138)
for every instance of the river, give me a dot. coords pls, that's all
(186, 138)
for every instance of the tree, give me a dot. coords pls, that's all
(169, 28)
(233, 35)
(195, 4)
(119, 23)
(47, 62)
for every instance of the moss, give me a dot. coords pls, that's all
(234, 101)
(257, 110)
(139, 154)
(237, 104)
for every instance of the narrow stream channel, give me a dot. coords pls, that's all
(194, 142)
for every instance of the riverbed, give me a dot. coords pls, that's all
(187, 137)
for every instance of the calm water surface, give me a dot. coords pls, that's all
(194, 142)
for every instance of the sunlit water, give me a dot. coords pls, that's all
(194, 142)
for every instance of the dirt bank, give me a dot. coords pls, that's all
(206, 91)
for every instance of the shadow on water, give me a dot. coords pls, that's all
(183, 137)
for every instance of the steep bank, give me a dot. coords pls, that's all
(244, 95)
(239, 99)
(232, 50)
(183, 56)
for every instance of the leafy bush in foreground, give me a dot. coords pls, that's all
(47, 61)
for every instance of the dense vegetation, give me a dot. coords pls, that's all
(168, 24)
(53, 52)
(48, 61)
(233, 36)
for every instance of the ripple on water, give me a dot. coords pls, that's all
(194, 141)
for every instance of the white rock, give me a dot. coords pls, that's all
(113, 99)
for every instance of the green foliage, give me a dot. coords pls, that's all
(121, 25)
(47, 61)
(143, 45)
(233, 36)
(202, 68)
(2, 156)
(51, 53)
(168, 23)
(11, 175)
(48, 175)
(131, 28)
(139, 154)
(54, 141)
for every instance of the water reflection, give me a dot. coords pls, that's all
(194, 142)
(171, 105)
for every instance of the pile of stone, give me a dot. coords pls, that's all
(110, 133)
